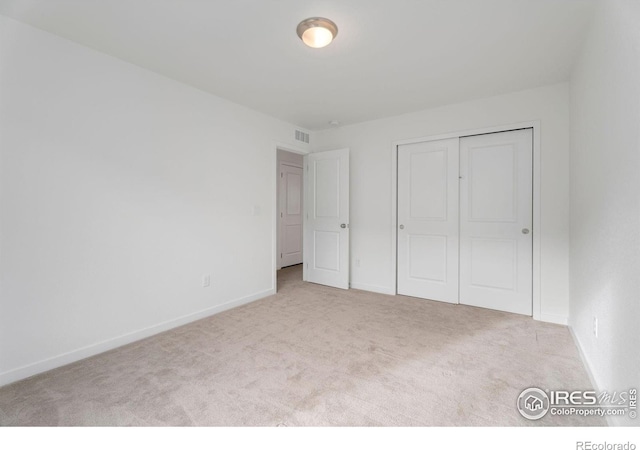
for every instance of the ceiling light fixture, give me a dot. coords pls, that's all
(317, 32)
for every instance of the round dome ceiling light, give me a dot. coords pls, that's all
(317, 32)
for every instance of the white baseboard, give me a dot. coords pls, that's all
(373, 288)
(553, 318)
(583, 357)
(611, 421)
(29, 370)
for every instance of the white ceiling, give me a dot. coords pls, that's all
(390, 56)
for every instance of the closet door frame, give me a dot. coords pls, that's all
(535, 125)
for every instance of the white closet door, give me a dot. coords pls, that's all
(496, 221)
(326, 247)
(290, 215)
(428, 220)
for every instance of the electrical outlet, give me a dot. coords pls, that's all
(595, 326)
(206, 280)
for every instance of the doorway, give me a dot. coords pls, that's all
(465, 220)
(311, 232)
(290, 208)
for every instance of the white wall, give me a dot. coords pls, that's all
(371, 145)
(119, 189)
(605, 197)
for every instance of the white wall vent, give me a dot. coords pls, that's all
(302, 136)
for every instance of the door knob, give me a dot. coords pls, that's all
(343, 225)
(525, 231)
(401, 227)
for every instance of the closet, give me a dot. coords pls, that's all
(465, 220)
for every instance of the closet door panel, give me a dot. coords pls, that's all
(428, 220)
(496, 200)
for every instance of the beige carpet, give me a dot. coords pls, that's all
(313, 355)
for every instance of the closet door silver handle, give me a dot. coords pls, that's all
(401, 227)
(343, 225)
(525, 231)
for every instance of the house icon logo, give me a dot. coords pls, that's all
(533, 403)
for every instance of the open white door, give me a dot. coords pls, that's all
(326, 240)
